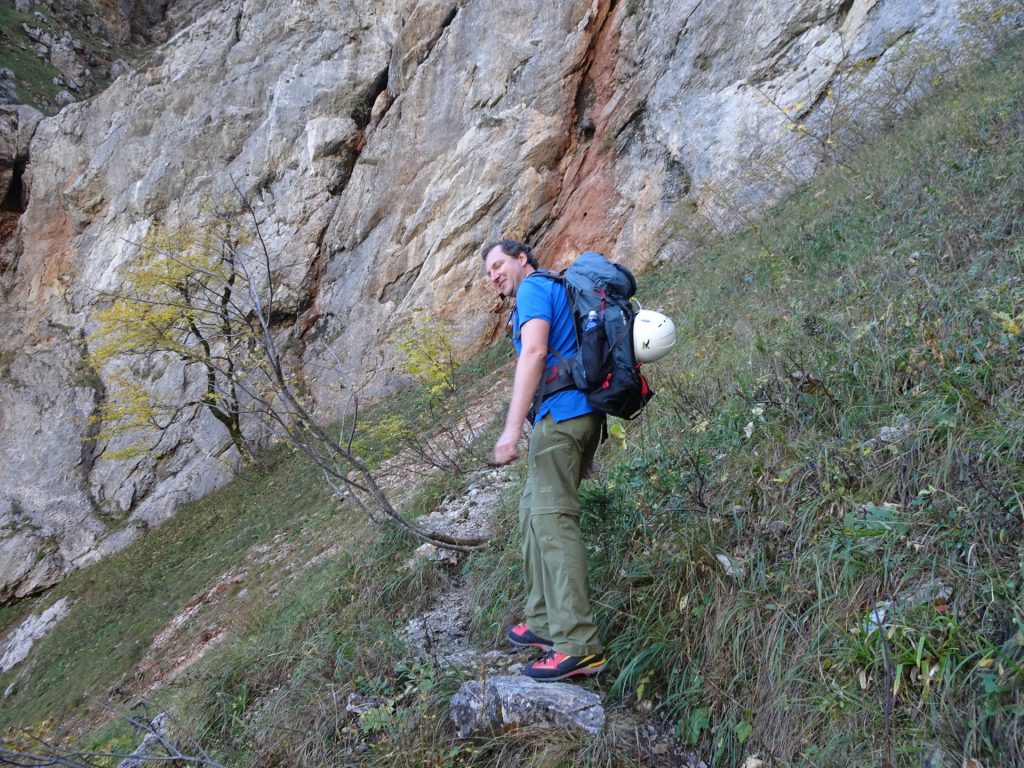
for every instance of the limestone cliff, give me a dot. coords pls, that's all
(381, 142)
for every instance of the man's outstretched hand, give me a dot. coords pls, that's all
(506, 450)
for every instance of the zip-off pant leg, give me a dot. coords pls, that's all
(554, 557)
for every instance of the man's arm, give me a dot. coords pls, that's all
(529, 369)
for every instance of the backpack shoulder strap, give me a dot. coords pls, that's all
(558, 277)
(556, 377)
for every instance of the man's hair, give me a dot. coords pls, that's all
(512, 248)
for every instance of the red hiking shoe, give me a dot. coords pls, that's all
(520, 635)
(558, 666)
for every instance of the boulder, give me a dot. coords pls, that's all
(501, 703)
(18, 643)
(8, 87)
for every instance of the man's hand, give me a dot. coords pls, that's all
(506, 450)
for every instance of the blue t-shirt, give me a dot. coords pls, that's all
(539, 297)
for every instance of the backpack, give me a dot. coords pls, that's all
(604, 367)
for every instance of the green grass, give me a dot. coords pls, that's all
(122, 602)
(33, 76)
(869, 299)
(843, 418)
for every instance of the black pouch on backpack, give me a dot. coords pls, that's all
(593, 363)
(623, 394)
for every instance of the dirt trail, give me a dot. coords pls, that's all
(440, 634)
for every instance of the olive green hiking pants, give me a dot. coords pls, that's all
(554, 558)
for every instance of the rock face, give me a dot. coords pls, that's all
(381, 142)
(19, 641)
(500, 703)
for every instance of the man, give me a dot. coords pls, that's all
(566, 431)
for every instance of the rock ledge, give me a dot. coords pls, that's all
(501, 703)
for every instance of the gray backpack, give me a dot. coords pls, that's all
(604, 367)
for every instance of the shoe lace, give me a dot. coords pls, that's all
(554, 657)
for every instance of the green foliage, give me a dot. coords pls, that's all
(400, 698)
(427, 420)
(427, 424)
(155, 312)
(428, 355)
(181, 301)
(105, 747)
(34, 77)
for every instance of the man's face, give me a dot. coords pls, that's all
(506, 272)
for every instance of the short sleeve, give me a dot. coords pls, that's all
(533, 300)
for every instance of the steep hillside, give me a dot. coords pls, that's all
(807, 552)
(57, 52)
(379, 143)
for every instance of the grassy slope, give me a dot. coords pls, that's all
(125, 600)
(883, 296)
(34, 77)
(880, 295)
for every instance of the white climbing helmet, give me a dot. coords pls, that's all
(654, 335)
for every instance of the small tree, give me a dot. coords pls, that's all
(440, 436)
(178, 303)
(204, 295)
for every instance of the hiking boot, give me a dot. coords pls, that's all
(521, 636)
(558, 666)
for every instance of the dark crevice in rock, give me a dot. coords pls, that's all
(309, 314)
(843, 13)
(13, 205)
(678, 181)
(347, 158)
(282, 318)
(535, 232)
(237, 28)
(447, 22)
(143, 17)
(397, 289)
(819, 101)
(364, 104)
(16, 200)
(584, 123)
(626, 134)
